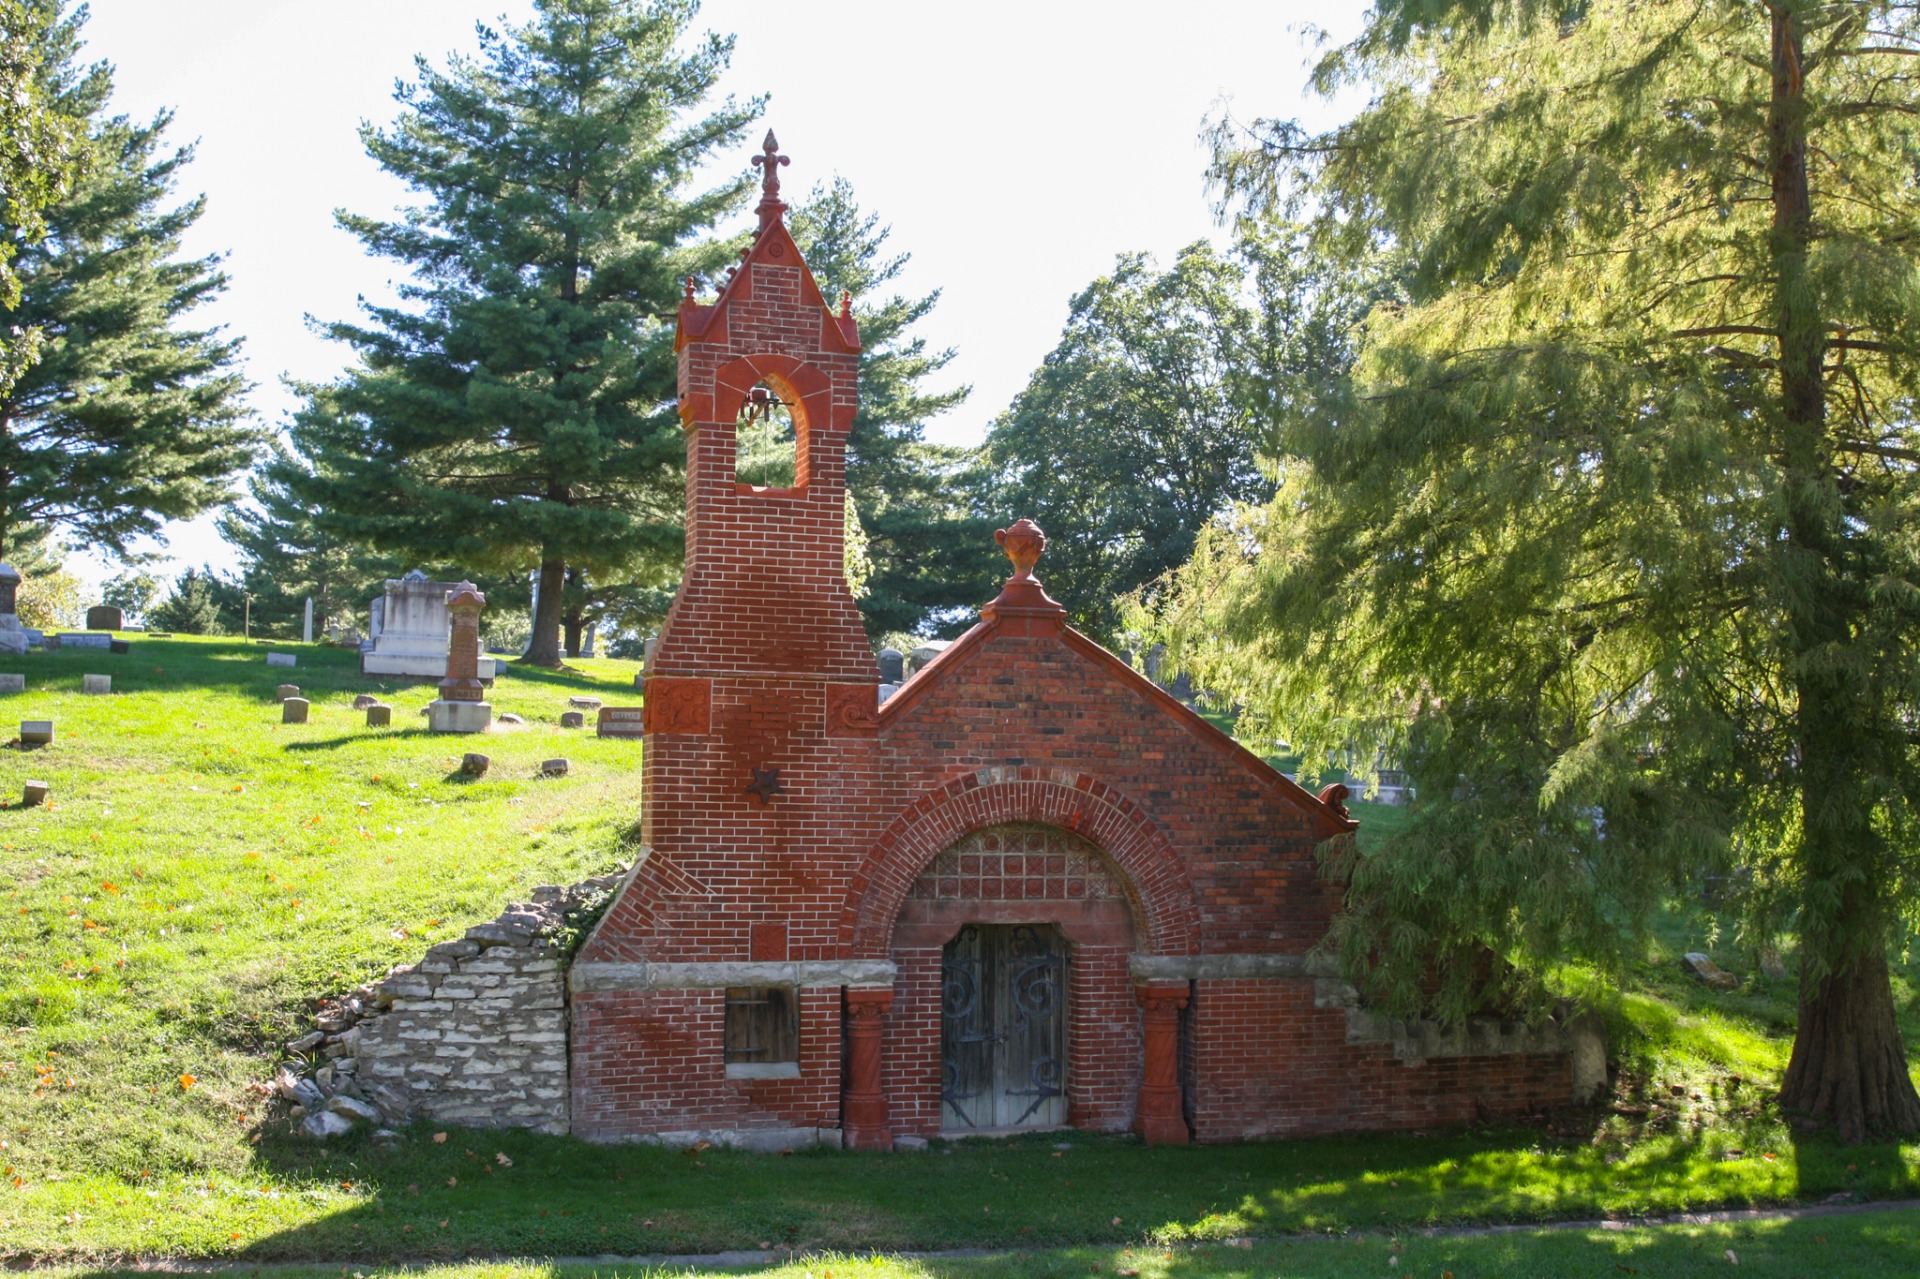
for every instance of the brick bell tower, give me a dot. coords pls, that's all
(760, 717)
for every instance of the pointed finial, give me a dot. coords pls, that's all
(689, 293)
(846, 304)
(770, 161)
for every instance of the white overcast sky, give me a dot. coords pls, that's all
(1014, 148)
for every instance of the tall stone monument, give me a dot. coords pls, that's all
(410, 630)
(460, 708)
(13, 636)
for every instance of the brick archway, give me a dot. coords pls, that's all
(1000, 796)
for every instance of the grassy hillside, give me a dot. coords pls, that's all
(204, 872)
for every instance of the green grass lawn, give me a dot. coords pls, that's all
(1878, 1246)
(204, 873)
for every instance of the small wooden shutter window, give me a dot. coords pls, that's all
(762, 1025)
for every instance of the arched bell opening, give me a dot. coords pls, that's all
(766, 448)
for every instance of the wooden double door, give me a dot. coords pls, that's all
(1003, 1028)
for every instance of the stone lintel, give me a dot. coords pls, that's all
(587, 978)
(1148, 968)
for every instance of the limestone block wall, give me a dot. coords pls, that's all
(475, 1033)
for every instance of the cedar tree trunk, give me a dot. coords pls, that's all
(1849, 1066)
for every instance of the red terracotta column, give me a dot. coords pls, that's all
(1158, 1117)
(867, 1125)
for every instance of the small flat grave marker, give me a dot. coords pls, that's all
(553, 768)
(474, 764)
(585, 703)
(34, 794)
(82, 639)
(365, 700)
(284, 691)
(11, 683)
(621, 721)
(379, 715)
(293, 711)
(573, 719)
(119, 646)
(36, 732)
(280, 659)
(96, 683)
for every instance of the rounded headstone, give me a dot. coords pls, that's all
(893, 666)
(474, 764)
(105, 617)
(573, 719)
(293, 711)
(553, 768)
(365, 700)
(282, 692)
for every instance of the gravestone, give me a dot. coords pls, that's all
(621, 721)
(1707, 972)
(10, 683)
(306, 623)
(365, 700)
(293, 711)
(474, 764)
(34, 794)
(553, 768)
(96, 683)
(36, 732)
(119, 646)
(573, 719)
(105, 617)
(85, 639)
(13, 636)
(893, 666)
(926, 653)
(460, 708)
(379, 715)
(410, 630)
(585, 703)
(281, 659)
(284, 691)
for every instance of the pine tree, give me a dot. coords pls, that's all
(516, 405)
(928, 551)
(288, 554)
(39, 159)
(1608, 535)
(127, 416)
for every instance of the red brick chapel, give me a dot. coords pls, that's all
(1029, 890)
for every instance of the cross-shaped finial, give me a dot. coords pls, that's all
(770, 161)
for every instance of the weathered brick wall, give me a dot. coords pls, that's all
(1283, 1058)
(787, 819)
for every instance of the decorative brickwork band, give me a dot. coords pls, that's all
(1158, 1118)
(866, 1105)
(679, 705)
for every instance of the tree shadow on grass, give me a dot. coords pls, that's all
(494, 1193)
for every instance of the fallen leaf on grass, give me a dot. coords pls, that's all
(439, 1139)
(187, 1081)
(453, 1181)
(501, 1159)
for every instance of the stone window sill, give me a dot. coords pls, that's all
(763, 1070)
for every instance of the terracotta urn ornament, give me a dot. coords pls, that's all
(1023, 543)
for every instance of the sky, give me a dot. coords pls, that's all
(1014, 149)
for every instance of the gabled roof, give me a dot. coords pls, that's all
(1024, 609)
